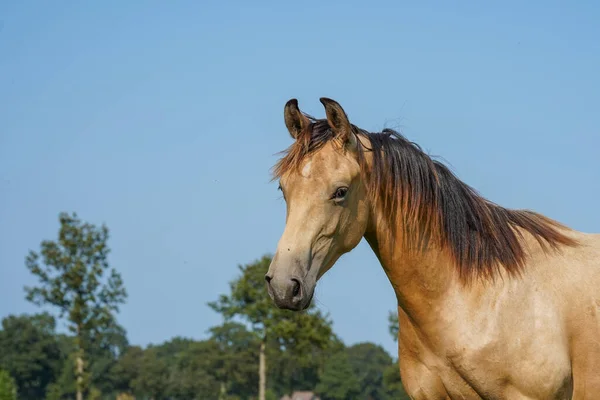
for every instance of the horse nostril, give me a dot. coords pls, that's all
(268, 278)
(296, 289)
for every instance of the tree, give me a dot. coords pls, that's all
(153, 377)
(393, 384)
(250, 302)
(234, 364)
(369, 362)
(30, 351)
(8, 388)
(127, 369)
(394, 326)
(65, 385)
(105, 348)
(192, 372)
(75, 278)
(338, 380)
(299, 351)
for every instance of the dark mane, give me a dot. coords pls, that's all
(434, 205)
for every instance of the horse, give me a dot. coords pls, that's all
(493, 303)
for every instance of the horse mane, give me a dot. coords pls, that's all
(480, 236)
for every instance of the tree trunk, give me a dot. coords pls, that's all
(223, 391)
(262, 371)
(79, 365)
(79, 377)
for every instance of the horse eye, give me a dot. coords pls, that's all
(340, 193)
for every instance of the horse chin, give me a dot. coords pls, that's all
(309, 302)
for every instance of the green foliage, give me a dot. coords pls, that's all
(75, 278)
(393, 384)
(369, 362)
(236, 357)
(193, 372)
(126, 369)
(94, 393)
(71, 277)
(153, 375)
(338, 380)
(289, 370)
(302, 351)
(30, 351)
(8, 388)
(270, 395)
(104, 348)
(393, 327)
(53, 392)
(64, 386)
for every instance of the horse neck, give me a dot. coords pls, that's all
(422, 280)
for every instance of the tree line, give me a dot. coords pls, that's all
(257, 352)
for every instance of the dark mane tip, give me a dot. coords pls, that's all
(481, 237)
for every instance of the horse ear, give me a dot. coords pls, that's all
(295, 121)
(338, 121)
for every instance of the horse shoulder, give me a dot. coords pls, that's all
(582, 303)
(424, 374)
(509, 340)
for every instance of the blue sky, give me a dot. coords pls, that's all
(163, 119)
